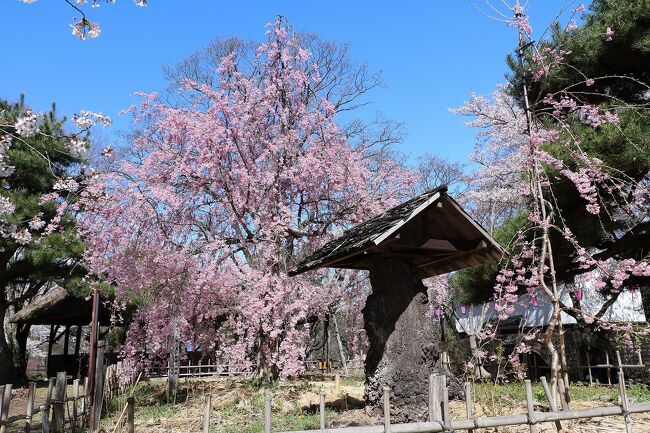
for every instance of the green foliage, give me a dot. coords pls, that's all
(619, 67)
(39, 162)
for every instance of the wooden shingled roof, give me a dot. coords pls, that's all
(431, 230)
(60, 307)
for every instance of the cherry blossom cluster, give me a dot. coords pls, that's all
(83, 27)
(25, 127)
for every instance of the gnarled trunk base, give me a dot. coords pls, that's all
(405, 343)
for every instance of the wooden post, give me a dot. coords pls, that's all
(75, 395)
(48, 397)
(206, 413)
(58, 411)
(321, 410)
(591, 376)
(446, 417)
(434, 399)
(45, 422)
(77, 343)
(609, 373)
(344, 362)
(2, 393)
(468, 403)
(551, 402)
(92, 351)
(98, 397)
(337, 384)
(130, 415)
(386, 409)
(4, 407)
(530, 406)
(618, 360)
(84, 404)
(267, 413)
(66, 341)
(624, 405)
(29, 413)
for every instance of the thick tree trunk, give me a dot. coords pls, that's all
(8, 372)
(404, 341)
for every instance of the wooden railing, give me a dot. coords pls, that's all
(440, 419)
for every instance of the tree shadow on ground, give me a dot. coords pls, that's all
(341, 404)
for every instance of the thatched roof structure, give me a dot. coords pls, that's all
(59, 307)
(431, 230)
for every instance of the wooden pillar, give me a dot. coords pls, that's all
(66, 339)
(96, 408)
(50, 346)
(77, 343)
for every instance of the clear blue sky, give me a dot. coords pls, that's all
(432, 53)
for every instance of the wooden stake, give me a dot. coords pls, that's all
(58, 411)
(609, 373)
(386, 409)
(446, 417)
(48, 397)
(591, 377)
(45, 422)
(29, 413)
(75, 393)
(267, 413)
(468, 403)
(130, 415)
(624, 405)
(98, 398)
(4, 406)
(206, 413)
(530, 406)
(551, 402)
(321, 410)
(618, 360)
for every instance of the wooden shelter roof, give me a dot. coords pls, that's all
(60, 307)
(432, 230)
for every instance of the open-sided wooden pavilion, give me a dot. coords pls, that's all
(64, 313)
(428, 235)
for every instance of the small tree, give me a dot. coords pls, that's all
(40, 178)
(587, 207)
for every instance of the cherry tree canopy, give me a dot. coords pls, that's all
(202, 220)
